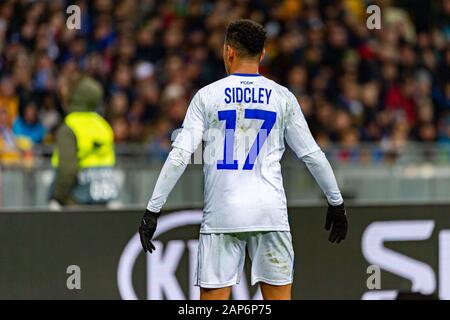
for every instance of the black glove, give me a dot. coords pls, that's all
(146, 230)
(337, 221)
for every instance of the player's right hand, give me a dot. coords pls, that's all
(337, 221)
(147, 229)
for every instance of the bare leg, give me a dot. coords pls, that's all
(215, 294)
(271, 292)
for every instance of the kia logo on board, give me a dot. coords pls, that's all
(162, 264)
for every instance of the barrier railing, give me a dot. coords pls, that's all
(408, 179)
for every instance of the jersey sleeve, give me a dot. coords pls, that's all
(191, 134)
(297, 133)
(321, 170)
(171, 171)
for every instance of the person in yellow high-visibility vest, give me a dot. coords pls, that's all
(83, 156)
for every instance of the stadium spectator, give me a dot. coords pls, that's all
(9, 151)
(29, 125)
(9, 101)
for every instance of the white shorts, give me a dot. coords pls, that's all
(221, 258)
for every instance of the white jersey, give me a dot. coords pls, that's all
(243, 120)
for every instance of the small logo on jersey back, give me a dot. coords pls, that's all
(246, 83)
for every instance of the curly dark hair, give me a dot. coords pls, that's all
(246, 36)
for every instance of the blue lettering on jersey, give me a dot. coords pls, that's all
(247, 95)
(228, 95)
(229, 116)
(268, 93)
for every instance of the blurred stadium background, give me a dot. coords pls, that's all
(377, 101)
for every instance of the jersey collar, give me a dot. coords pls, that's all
(246, 74)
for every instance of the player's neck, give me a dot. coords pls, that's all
(245, 67)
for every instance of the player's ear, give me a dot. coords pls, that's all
(263, 53)
(230, 53)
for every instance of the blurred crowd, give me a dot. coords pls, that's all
(355, 85)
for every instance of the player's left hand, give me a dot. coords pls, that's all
(147, 229)
(337, 221)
